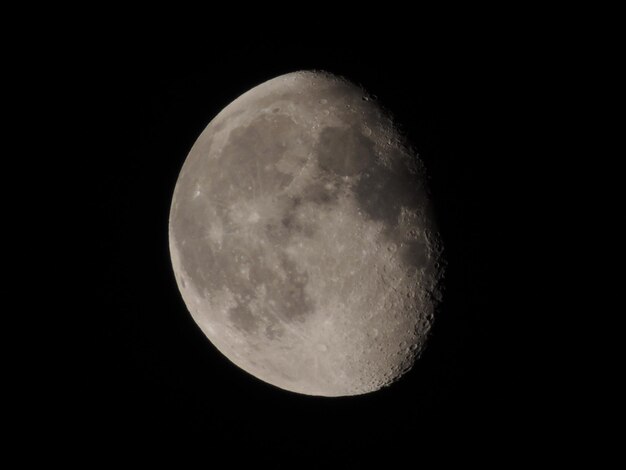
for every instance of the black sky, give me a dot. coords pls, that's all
(149, 372)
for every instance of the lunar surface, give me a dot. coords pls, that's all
(302, 238)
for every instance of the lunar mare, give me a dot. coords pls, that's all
(302, 238)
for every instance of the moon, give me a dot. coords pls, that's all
(303, 240)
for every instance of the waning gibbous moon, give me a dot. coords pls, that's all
(302, 238)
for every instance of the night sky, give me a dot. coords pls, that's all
(150, 373)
